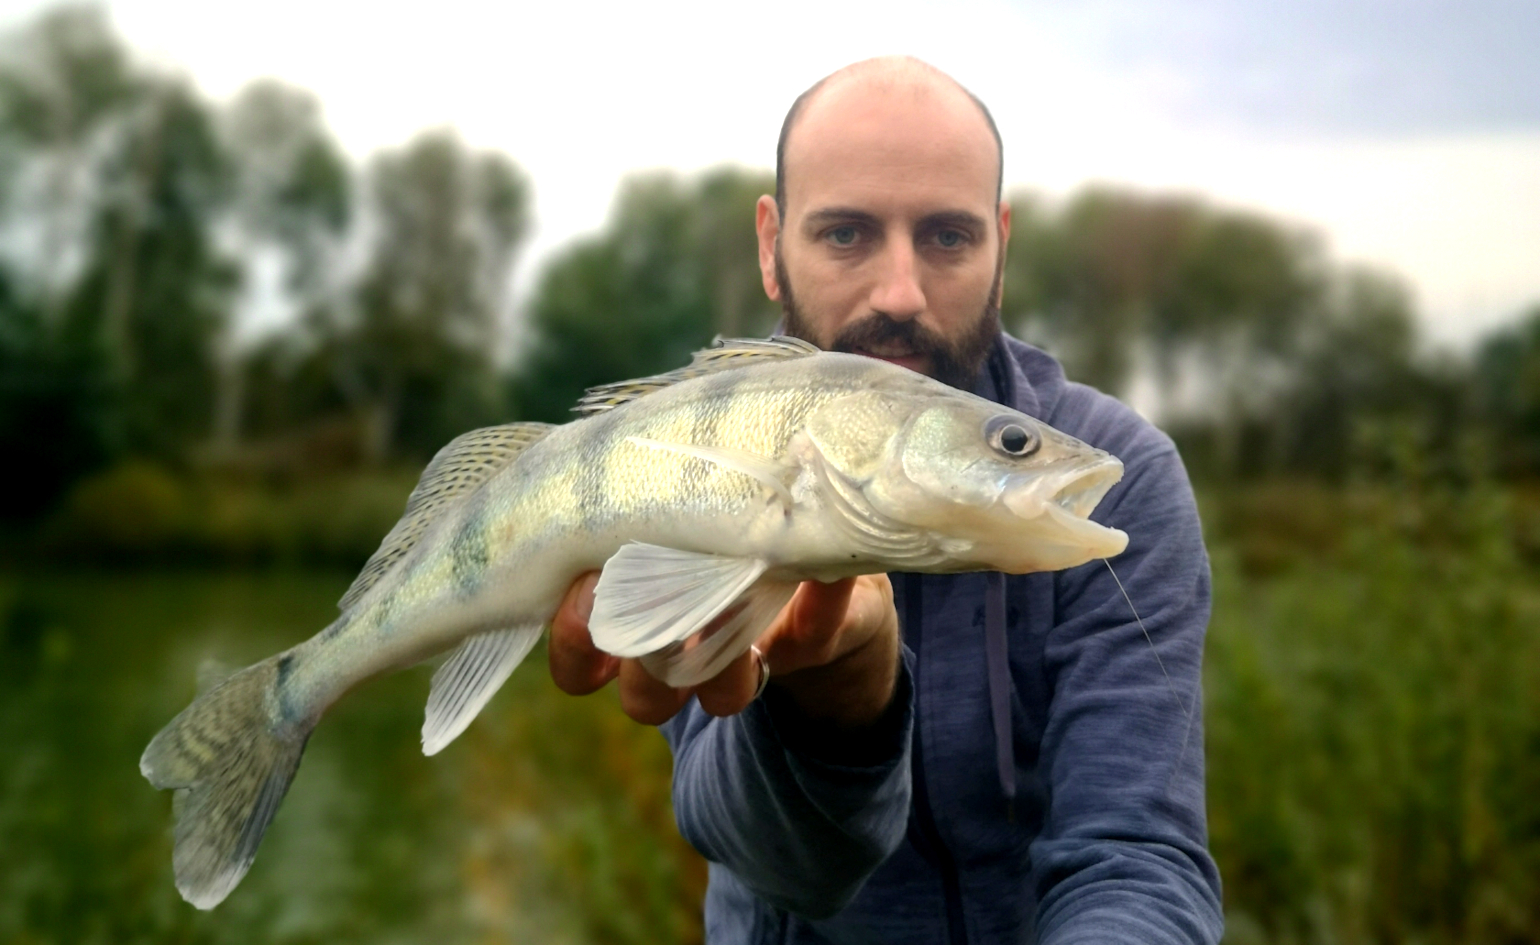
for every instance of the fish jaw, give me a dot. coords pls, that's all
(1056, 507)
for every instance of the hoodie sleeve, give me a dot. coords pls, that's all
(1122, 856)
(801, 816)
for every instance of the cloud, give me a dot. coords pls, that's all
(1339, 67)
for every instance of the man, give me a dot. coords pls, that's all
(943, 758)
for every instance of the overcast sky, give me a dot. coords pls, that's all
(1408, 132)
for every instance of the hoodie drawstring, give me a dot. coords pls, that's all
(997, 657)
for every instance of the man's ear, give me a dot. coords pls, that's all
(1005, 241)
(767, 223)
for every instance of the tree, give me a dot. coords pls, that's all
(417, 346)
(290, 199)
(155, 293)
(119, 166)
(1353, 375)
(676, 264)
(1508, 392)
(1117, 274)
(67, 86)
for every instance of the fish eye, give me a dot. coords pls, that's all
(1011, 438)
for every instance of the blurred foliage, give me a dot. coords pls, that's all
(1508, 391)
(676, 265)
(1112, 271)
(143, 515)
(1373, 712)
(548, 821)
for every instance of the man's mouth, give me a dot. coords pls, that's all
(897, 354)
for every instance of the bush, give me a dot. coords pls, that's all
(1373, 726)
(140, 514)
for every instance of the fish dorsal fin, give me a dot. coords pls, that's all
(725, 354)
(459, 468)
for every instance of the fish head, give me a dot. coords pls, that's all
(1000, 490)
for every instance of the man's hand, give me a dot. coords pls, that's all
(834, 649)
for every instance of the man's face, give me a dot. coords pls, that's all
(892, 241)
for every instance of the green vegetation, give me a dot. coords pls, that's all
(1371, 683)
(548, 821)
(1372, 717)
(183, 491)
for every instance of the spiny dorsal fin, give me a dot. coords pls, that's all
(725, 354)
(469, 460)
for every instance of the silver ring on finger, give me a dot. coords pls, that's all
(764, 670)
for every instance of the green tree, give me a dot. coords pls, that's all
(291, 198)
(415, 352)
(1114, 275)
(115, 175)
(1508, 391)
(155, 293)
(66, 85)
(676, 264)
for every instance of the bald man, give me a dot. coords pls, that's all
(943, 758)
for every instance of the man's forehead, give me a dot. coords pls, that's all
(921, 133)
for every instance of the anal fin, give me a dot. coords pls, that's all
(468, 679)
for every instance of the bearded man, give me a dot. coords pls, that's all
(943, 758)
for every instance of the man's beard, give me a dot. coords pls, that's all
(953, 362)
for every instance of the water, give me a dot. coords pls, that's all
(548, 820)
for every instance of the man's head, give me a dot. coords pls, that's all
(886, 235)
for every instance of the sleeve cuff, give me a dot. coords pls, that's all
(876, 745)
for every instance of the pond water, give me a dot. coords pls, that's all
(548, 820)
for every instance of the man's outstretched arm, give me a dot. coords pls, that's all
(802, 793)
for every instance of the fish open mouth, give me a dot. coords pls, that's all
(1068, 500)
(1079, 492)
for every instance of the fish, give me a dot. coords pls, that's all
(704, 496)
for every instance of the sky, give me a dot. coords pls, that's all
(1406, 132)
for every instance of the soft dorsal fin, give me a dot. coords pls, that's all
(465, 463)
(725, 354)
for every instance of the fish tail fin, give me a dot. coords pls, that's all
(230, 766)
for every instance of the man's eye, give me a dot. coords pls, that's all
(950, 239)
(842, 235)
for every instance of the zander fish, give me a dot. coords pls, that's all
(705, 495)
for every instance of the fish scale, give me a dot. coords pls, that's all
(704, 493)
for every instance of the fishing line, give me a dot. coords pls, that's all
(1186, 710)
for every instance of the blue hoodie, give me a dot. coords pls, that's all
(1038, 777)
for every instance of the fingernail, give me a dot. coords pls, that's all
(585, 601)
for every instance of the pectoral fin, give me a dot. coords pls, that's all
(649, 596)
(692, 662)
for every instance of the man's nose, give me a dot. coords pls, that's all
(898, 294)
